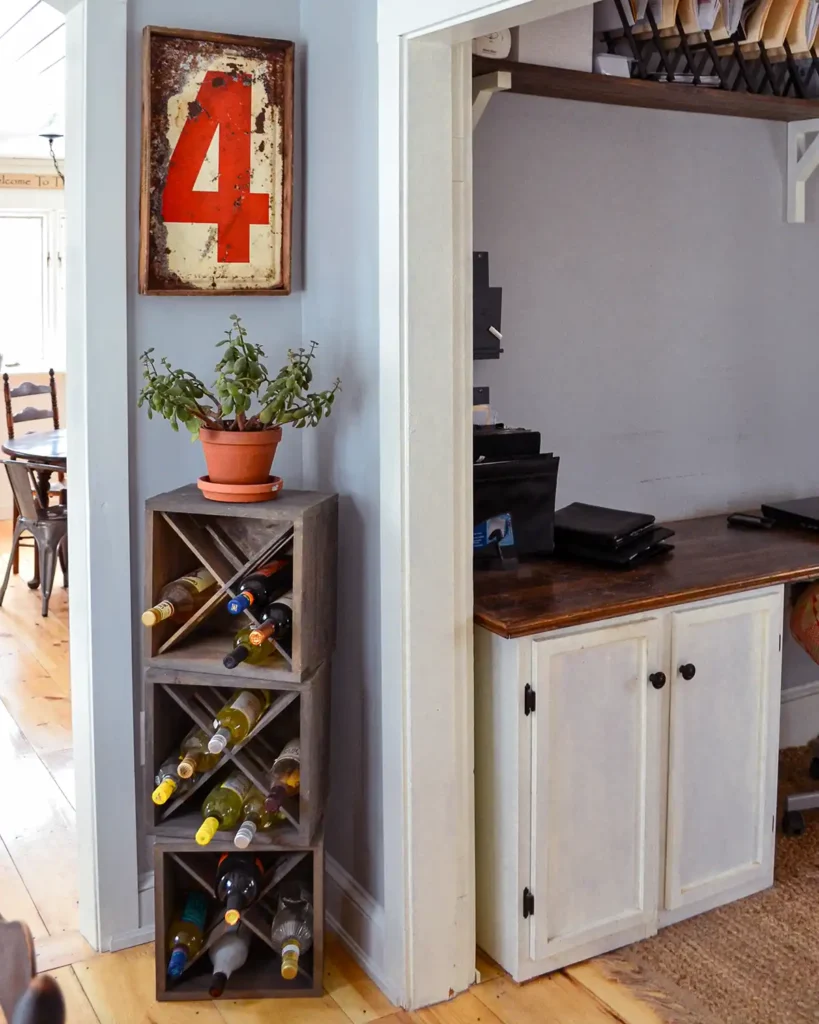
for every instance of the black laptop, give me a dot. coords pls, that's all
(801, 512)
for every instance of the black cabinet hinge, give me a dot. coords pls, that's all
(528, 903)
(529, 699)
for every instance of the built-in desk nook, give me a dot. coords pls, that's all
(636, 719)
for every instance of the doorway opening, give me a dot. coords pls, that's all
(38, 836)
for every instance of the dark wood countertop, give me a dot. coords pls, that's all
(710, 559)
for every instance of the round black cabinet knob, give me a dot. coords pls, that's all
(688, 671)
(657, 680)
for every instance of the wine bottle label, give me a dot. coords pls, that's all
(196, 910)
(270, 569)
(163, 610)
(238, 784)
(287, 601)
(290, 752)
(249, 705)
(201, 580)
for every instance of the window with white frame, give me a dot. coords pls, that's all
(32, 289)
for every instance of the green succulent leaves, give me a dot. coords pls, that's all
(242, 385)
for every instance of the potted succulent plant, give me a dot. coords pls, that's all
(239, 417)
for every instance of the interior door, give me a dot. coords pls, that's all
(595, 787)
(723, 748)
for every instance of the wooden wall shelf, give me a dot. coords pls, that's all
(560, 83)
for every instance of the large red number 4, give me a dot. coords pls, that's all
(223, 102)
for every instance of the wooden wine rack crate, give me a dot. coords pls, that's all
(185, 683)
(182, 867)
(176, 701)
(185, 530)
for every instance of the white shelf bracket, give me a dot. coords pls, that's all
(803, 159)
(485, 87)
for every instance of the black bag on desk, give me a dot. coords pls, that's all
(525, 488)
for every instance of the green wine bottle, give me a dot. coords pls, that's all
(245, 651)
(255, 818)
(187, 933)
(235, 720)
(222, 809)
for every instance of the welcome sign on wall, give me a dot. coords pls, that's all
(217, 164)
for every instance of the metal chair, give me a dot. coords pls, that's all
(48, 525)
(27, 389)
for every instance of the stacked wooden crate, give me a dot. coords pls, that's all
(186, 682)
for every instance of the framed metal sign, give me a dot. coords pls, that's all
(217, 164)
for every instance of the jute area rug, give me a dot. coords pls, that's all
(755, 961)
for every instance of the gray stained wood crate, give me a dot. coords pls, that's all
(185, 529)
(176, 701)
(185, 683)
(180, 868)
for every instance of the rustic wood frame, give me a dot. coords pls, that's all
(145, 275)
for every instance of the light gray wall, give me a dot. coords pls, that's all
(659, 317)
(340, 310)
(186, 329)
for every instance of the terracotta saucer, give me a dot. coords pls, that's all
(240, 493)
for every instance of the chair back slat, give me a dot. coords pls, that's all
(22, 486)
(25, 390)
(30, 413)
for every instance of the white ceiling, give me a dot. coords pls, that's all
(32, 77)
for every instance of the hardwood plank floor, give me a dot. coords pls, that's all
(38, 880)
(38, 868)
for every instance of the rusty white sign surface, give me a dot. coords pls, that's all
(217, 164)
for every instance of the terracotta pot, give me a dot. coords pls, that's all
(239, 456)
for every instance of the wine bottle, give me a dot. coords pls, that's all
(246, 651)
(276, 622)
(167, 782)
(222, 808)
(227, 955)
(237, 883)
(237, 718)
(284, 776)
(187, 933)
(255, 817)
(292, 931)
(262, 586)
(179, 599)
(195, 756)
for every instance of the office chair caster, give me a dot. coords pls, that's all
(813, 771)
(793, 823)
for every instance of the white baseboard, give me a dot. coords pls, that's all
(799, 719)
(357, 920)
(145, 932)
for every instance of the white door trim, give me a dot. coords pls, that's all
(99, 512)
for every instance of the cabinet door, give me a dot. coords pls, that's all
(595, 791)
(723, 750)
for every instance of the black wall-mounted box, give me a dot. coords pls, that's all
(487, 304)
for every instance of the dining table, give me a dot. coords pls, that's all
(48, 448)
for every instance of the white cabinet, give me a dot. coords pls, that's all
(722, 753)
(625, 776)
(595, 787)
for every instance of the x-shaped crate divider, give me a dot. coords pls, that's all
(253, 918)
(221, 557)
(201, 707)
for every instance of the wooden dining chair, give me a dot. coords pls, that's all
(30, 414)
